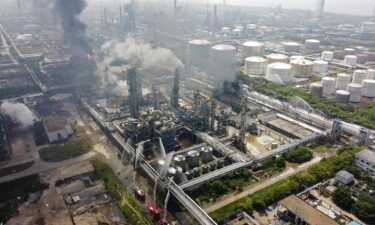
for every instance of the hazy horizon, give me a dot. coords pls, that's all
(362, 7)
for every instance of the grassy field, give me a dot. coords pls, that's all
(28, 50)
(291, 185)
(132, 210)
(14, 169)
(72, 148)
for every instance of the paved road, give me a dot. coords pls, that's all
(263, 184)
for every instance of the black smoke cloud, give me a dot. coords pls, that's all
(74, 29)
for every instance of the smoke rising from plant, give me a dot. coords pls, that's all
(74, 28)
(17, 112)
(142, 54)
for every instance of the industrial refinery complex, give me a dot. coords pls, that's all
(173, 112)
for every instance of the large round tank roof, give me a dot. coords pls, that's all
(199, 42)
(277, 56)
(279, 65)
(255, 59)
(303, 62)
(224, 47)
(291, 43)
(252, 44)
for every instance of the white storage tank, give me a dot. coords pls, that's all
(359, 76)
(328, 85)
(355, 92)
(312, 44)
(199, 52)
(193, 158)
(180, 161)
(370, 74)
(207, 154)
(302, 68)
(253, 48)
(349, 51)
(225, 30)
(342, 81)
(223, 62)
(320, 66)
(350, 60)
(327, 55)
(237, 32)
(342, 96)
(316, 89)
(255, 65)
(296, 57)
(274, 58)
(368, 89)
(160, 165)
(179, 176)
(291, 46)
(279, 72)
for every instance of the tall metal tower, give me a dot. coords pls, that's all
(213, 106)
(175, 90)
(373, 15)
(132, 81)
(175, 8)
(319, 10)
(242, 137)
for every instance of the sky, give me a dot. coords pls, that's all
(354, 7)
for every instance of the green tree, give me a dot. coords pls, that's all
(364, 208)
(259, 204)
(342, 196)
(298, 155)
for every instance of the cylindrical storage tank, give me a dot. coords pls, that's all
(350, 60)
(296, 58)
(327, 55)
(237, 32)
(316, 89)
(368, 89)
(370, 74)
(280, 73)
(189, 175)
(223, 61)
(342, 81)
(291, 46)
(342, 96)
(255, 65)
(355, 91)
(328, 85)
(160, 165)
(180, 161)
(338, 54)
(320, 66)
(274, 145)
(274, 58)
(180, 176)
(302, 68)
(193, 158)
(220, 163)
(359, 76)
(207, 154)
(196, 172)
(349, 51)
(362, 58)
(199, 52)
(171, 172)
(205, 169)
(225, 30)
(253, 48)
(312, 44)
(212, 166)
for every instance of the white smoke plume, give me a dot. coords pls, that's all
(18, 112)
(137, 53)
(143, 54)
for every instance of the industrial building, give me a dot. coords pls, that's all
(57, 129)
(365, 159)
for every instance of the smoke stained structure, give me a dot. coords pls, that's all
(74, 28)
(17, 112)
(143, 54)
